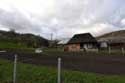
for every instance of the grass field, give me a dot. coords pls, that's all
(11, 45)
(27, 73)
(14, 46)
(7, 45)
(60, 51)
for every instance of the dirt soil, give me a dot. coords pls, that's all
(103, 64)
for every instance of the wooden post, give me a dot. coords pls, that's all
(97, 50)
(59, 71)
(123, 51)
(14, 71)
(109, 50)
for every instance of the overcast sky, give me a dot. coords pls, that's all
(63, 18)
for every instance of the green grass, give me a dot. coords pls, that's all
(27, 73)
(7, 45)
(60, 52)
(11, 45)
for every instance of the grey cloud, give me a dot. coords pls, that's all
(18, 21)
(67, 18)
(13, 20)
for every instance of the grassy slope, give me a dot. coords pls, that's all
(28, 39)
(11, 45)
(39, 74)
(5, 45)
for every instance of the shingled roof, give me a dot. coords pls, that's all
(82, 38)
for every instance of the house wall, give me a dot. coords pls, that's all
(79, 47)
(103, 45)
(73, 47)
(117, 45)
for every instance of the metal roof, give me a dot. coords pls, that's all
(64, 41)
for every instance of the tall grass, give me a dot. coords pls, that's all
(27, 73)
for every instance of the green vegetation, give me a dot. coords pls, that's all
(61, 52)
(7, 45)
(17, 40)
(27, 73)
(11, 45)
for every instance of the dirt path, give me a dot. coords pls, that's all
(92, 63)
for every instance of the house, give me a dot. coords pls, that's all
(81, 42)
(113, 42)
(62, 44)
(63, 41)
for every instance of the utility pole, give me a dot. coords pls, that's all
(51, 36)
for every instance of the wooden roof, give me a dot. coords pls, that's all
(82, 38)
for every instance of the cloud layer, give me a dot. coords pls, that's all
(63, 18)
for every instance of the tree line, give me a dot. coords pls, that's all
(28, 40)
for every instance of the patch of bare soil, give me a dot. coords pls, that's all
(103, 64)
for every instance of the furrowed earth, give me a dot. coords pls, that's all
(102, 64)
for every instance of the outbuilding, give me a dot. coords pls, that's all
(113, 42)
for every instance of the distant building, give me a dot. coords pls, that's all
(113, 42)
(62, 43)
(81, 42)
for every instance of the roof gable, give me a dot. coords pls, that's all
(82, 38)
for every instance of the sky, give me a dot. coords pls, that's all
(63, 18)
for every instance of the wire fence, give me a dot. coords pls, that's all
(58, 68)
(59, 80)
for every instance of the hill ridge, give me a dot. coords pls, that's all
(28, 39)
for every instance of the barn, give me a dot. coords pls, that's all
(81, 42)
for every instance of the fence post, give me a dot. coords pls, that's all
(123, 51)
(14, 70)
(109, 50)
(59, 71)
(97, 50)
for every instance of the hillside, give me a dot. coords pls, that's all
(120, 33)
(11, 38)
